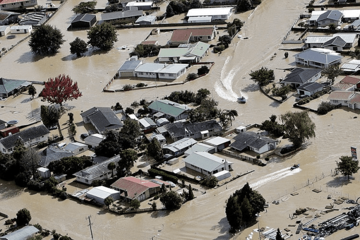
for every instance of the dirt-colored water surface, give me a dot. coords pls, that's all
(204, 217)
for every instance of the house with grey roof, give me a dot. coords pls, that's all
(30, 137)
(161, 71)
(97, 172)
(170, 109)
(129, 66)
(218, 142)
(76, 147)
(318, 58)
(336, 44)
(316, 41)
(159, 137)
(198, 130)
(310, 88)
(253, 142)
(145, 20)
(351, 39)
(121, 15)
(300, 76)
(53, 153)
(21, 234)
(185, 53)
(351, 66)
(102, 118)
(179, 147)
(330, 17)
(206, 163)
(9, 87)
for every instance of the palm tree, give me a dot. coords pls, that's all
(111, 166)
(231, 115)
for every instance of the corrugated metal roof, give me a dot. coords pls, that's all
(119, 15)
(205, 161)
(130, 65)
(197, 12)
(21, 234)
(173, 68)
(134, 186)
(217, 140)
(315, 55)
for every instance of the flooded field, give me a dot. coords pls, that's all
(204, 217)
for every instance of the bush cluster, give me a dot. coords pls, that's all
(325, 107)
(166, 176)
(209, 181)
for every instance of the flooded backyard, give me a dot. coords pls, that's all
(204, 217)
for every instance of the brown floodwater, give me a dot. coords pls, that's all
(204, 217)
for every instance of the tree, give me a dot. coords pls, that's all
(191, 194)
(244, 5)
(298, 127)
(23, 217)
(331, 72)
(84, 7)
(60, 89)
(135, 204)
(154, 149)
(203, 70)
(22, 179)
(263, 76)
(171, 200)
(278, 235)
(154, 206)
(71, 117)
(102, 36)
(78, 47)
(129, 110)
(110, 146)
(131, 128)
(108, 201)
(169, 11)
(50, 116)
(111, 166)
(30, 160)
(46, 40)
(242, 207)
(128, 157)
(32, 91)
(347, 166)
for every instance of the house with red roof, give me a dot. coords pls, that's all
(351, 80)
(341, 97)
(185, 36)
(349, 83)
(354, 102)
(135, 188)
(16, 4)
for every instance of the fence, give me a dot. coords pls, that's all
(171, 25)
(243, 157)
(311, 183)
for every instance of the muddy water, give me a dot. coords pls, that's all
(204, 217)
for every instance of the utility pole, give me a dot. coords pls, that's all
(92, 237)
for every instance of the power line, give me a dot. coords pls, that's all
(90, 224)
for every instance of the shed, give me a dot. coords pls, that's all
(94, 140)
(140, 5)
(83, 21)
(199, 19)
(200, 147)
(44, 172)
(222, 175)
(129, 66)
(162, 121)
(21, 234)
(9, 131)
(240, 129)
(60, 178)
(4, 30)
(99, 194)
(76, 148)
(218, 142)
(146, 20)
(21, 29)
(173, 161)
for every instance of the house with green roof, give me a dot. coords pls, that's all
(170, 109)
(185, 53)
(9, 87)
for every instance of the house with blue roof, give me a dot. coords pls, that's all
(318, 58)
(129, 66)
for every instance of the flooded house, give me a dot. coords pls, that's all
(191, 35)
(179, 147)
(17, 4)
(317, 58)
(83, 21)
(100, 193)
(215, 13)
(254, 142)
(170, 109)
(131, 15)
(185, 53)
(10, 87)
(102, 118)
(300, 76)
(160, 71)
(7, 18)
(30, 137)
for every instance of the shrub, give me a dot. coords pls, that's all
(97, 183)
(42, 144)
(192, 76)
(166, 176)
(118, 106)
(209, 181)
(38, 226)
(219, 48)
(304, 101)
(325, 107)
(135, 104)
(141, 85)
(127, 87)
(203, 70)
(23, 217)
(35, 185)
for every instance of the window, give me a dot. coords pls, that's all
(209, 37)
(335, 101)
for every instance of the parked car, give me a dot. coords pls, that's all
(84, 135)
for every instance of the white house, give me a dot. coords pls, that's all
(159, 70)
(218, 142)
(354, 102)
(207, 163)
(352, 66)
(214, 13)
(30, 137)
(99, 194)
(17, 4)
(200, 147)
(341, 97)
(318, 58)
(129, 66)
(188, 35)
(4, 30)
(97, 172)
(21, 29)
(350, 15)
(94, 140)
(179, 147)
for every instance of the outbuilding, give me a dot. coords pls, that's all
(21, 29)
(99, 194)
(146, 20)
(44, 172)
(207, 163)
(76, 148)
(129, 66)
(140, 5)
(214, 13)
(4, 30)
(83, 21)
(218, 142)
(222, 175)
(94, 140)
